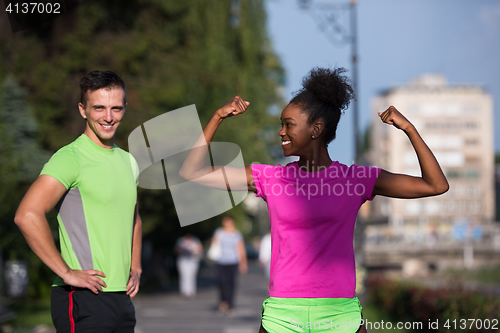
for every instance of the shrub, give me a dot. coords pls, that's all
(403, 301)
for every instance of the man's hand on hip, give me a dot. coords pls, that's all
(85, 279)
(133, 283)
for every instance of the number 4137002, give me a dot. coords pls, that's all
(34, 8)
(471, 324)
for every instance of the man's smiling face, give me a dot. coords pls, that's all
(103, 110)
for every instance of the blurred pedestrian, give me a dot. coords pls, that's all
(232, 259)
(189, 251)
(265, 253)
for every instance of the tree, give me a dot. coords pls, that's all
(170, 54)
(21, 160)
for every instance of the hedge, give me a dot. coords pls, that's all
(454, 309)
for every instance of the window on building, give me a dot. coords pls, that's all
(413, 207)
(472, 174)
(432, 125)
(452, 206)
(473, 190)
(471, 109)
(471, 141)
(412, 108)
(453, 109)
(432, 207)
(470, 125)
(455, 190)
(452, 174)
(472, 159)
(473, 207)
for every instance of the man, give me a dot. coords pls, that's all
(92, 184)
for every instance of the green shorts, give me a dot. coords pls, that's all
(311, 315)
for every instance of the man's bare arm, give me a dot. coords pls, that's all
(136, 268)
(40, 199)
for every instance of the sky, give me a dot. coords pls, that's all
(398, 40)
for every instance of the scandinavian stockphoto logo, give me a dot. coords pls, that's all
(160, 147)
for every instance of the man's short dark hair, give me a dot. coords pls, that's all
(96, 80)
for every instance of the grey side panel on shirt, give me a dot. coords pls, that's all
(70, 209)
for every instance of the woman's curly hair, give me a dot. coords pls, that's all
(325, 94)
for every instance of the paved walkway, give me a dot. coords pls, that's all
(168, 312)
(164, 313)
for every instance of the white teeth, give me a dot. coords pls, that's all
(285, 142)
(107, 126)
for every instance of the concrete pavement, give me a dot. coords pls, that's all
(169, 312)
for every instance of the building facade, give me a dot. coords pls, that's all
(456, 122)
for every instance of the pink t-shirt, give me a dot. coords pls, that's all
(312, 224)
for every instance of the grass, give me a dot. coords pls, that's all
(373, 314)
(28, 314)
(485, 274)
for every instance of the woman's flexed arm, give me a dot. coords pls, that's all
(194, 167)
(432, 182)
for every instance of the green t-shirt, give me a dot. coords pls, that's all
(96, 214)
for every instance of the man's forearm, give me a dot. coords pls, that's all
(137, 246)
(36, 231)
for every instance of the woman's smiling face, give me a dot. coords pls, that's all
(295, 131)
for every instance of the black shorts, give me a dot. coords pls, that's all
(78, 310)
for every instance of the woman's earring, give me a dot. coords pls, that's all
(313, 137)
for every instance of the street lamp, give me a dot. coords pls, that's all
(338, 22)
(331, 18)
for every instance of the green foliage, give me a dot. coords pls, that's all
(489, 274)
(170, 54)
(405, 302)
(372, 313)
(21, 161)
(21, 154)
(29, 314)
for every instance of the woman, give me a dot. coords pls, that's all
(189, 251)
(313, 204)
(232, 259)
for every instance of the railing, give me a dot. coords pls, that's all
(420, 237)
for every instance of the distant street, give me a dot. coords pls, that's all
(168, 312)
